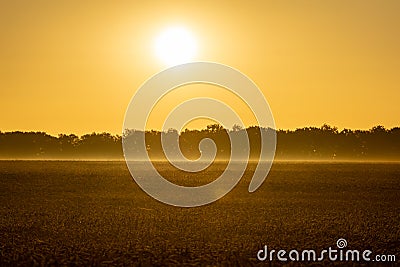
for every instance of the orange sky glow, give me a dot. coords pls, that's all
(73, 66)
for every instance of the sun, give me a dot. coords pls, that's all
(175, 45)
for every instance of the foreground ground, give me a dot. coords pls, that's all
(92, 213)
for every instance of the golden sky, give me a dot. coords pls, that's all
(73, 66)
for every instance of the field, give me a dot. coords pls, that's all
(92, 213)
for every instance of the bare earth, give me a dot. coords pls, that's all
(92, 213)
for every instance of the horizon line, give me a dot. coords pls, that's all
(202, 129)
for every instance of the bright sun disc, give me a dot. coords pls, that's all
(175, 46)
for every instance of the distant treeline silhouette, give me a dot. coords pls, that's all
(309, 143)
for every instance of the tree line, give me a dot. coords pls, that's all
(308, 143)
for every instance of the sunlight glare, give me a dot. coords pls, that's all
(175, 46)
